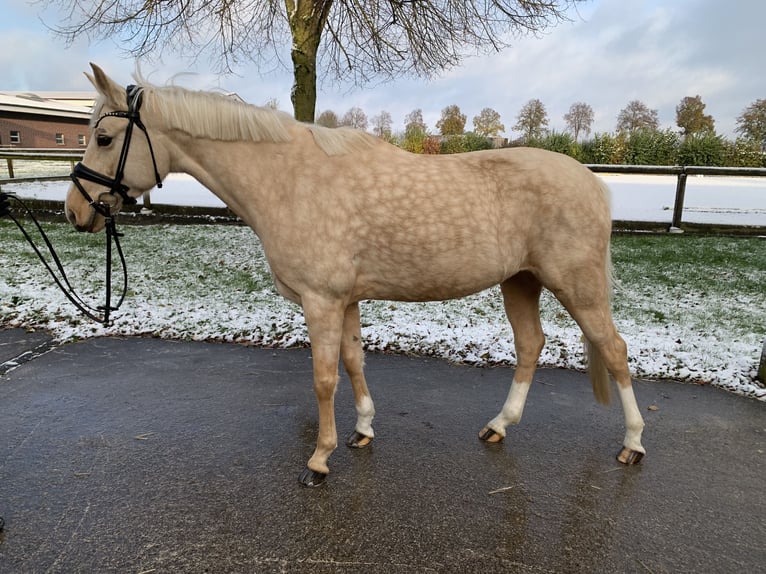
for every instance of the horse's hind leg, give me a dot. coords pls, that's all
(521, 297)
(353, 360)
(586, 298)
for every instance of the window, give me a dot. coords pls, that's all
(59, 139)
(15, 137)
(80, 139)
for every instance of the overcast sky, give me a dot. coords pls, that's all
(612, 52)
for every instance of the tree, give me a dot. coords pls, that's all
(532, 120)
(579, 119)
(342, 38)
(328, 119)
(487, 123)
(691, 117)
(452, 122)
(415, 138)
(413, 122)
(355, 118)
(381, 125)
(752, 123)
(636, 116)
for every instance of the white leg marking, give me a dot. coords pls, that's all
(512, 409)
(634, 423)
(365, 411)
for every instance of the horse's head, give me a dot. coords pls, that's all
(120, 163)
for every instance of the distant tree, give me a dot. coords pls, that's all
(452, 121)
(637, 116)
(415, 137)
(355, 118)
(579, 119)
(532, 120)
(381, 125)
(272, 104)
(751, 124)
(488, 123)
(691, 117)
(413, 122)
(328, 119)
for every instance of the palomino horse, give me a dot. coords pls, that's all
(344, 216)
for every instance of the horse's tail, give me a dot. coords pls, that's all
(599, 375)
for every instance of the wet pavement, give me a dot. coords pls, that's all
(150, 456)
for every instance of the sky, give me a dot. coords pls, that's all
(611, 52)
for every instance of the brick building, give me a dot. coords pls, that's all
(47, 120)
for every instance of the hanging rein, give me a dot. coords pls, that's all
(105, 204)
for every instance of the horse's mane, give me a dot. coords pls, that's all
(221, 117)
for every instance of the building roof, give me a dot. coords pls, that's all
(35, 103)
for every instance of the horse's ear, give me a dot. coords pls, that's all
(115, 95)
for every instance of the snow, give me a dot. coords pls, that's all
(206, 301)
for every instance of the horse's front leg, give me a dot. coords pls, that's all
(324, 320)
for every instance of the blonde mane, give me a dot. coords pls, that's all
(220, 117)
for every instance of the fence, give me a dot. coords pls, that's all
(681, 172)
(39, 155)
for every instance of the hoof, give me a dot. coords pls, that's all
(629, 456)
(312, 478)
(358, 440)
(488, 435)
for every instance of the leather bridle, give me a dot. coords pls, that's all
(103, 204)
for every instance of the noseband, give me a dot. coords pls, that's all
(115, 185)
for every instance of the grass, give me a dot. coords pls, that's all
(692, 280)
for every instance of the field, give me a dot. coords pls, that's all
(691, 308)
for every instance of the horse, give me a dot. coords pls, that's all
(344, 216)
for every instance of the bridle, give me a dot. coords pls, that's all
(105, 204)
(102, 204)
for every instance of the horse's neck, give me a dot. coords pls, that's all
(236, 172)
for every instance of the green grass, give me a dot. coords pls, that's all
(702, 281)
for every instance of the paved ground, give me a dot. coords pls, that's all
(149, 456)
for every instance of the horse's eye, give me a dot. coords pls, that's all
(103, 140)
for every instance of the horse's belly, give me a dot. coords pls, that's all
(448, 276)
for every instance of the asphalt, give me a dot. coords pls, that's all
(150, 456)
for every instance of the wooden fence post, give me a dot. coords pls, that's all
(678, 207)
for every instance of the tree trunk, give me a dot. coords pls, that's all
(307, 19)
(304, 92)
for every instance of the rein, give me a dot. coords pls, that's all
(103, 205)
(100, 313)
